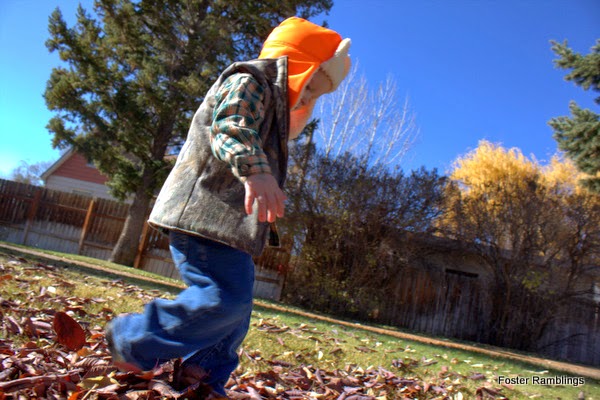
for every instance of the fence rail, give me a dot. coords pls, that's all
(73, 223)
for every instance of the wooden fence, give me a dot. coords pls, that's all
(458, 306)
(71, 223)
(439, 303)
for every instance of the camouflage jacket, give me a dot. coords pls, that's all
(201, 195)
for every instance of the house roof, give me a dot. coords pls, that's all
(57, 164)
(71, 152)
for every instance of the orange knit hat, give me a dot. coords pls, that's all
(308, 46)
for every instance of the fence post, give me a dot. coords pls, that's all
(35, 204)
(137, 264)
(86, 224)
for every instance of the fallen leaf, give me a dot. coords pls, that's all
(75, 395)
(364, 349)
(163, 389)
(13, 325)
(98, 382)
(68, 332)
(84, 352)
(427, 361)
(477, 376)
(483, 393)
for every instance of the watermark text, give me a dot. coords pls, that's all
(542, 380)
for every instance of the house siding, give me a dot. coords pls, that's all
(72, 185)
(77, 167)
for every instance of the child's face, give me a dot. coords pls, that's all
(318, 85)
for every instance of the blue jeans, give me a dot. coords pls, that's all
(206, 323)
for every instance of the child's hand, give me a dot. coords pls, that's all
(270, 198)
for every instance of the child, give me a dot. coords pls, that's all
(222, 194)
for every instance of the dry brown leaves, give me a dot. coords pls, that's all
(61, 357)
(49, 354)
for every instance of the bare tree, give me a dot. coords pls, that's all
(375, 125)
(30, 173)
(350, 203)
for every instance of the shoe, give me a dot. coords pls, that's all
(117, 358)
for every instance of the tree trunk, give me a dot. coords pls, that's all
(126, 248)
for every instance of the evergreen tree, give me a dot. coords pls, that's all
(579, 135)
(135, 73)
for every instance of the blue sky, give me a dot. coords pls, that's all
(472, 70)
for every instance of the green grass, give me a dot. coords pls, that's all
(331, 347)
(276, 337)
(78, 262)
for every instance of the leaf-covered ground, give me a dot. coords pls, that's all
(52, 346)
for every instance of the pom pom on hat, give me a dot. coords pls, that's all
(308, 47)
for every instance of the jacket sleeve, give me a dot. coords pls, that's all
(238, 114)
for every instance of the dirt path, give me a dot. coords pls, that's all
(573, 369)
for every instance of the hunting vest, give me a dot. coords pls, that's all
(201, 196)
